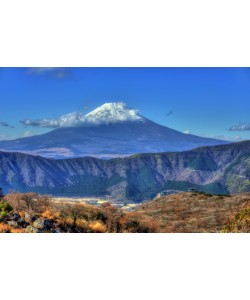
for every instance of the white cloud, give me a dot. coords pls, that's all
(240, 127)
(186, 131)
(107, 113)
(28, 133)
(74, 119)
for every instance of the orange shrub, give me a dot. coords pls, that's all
(4, 228)
(81, 224)
(69, 221)
(17, 230)
(22, 214)
(98, 227)
(50, 215)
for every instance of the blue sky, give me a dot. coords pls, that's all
(202, 101)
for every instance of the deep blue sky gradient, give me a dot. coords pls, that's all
(204, 101)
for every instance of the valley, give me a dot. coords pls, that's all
(128, 206)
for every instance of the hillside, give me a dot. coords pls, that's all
(219, 169)
(181, 213)
(240, 223)
(198, 212)
(34, 213)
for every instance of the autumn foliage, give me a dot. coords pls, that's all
(183, 212)
(193, 212)
(66, 217)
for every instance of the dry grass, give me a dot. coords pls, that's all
(193, 212)
(240, 223)
(50, 214)
(98, 227)
(180, 213)
(71, 217)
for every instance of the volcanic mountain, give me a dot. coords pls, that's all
(111, 130)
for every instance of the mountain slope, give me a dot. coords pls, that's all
(112, 130)
(217, 169)
(197, 212)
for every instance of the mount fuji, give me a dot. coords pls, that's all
(111, 130)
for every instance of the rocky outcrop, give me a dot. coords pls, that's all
(30, 223)
(42, 224)
(31, 229)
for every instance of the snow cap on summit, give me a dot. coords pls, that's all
(113, 112)
(107, 113)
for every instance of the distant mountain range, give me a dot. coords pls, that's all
(218, 169)
(111, 130)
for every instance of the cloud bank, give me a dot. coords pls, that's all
(105, 114)
(74, 119)
(240, 127)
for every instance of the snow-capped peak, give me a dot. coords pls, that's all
(112, 113)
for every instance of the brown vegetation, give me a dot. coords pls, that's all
(29, 202)
(240, 223)
(183, 212)
(34, 213)
(194, 212)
